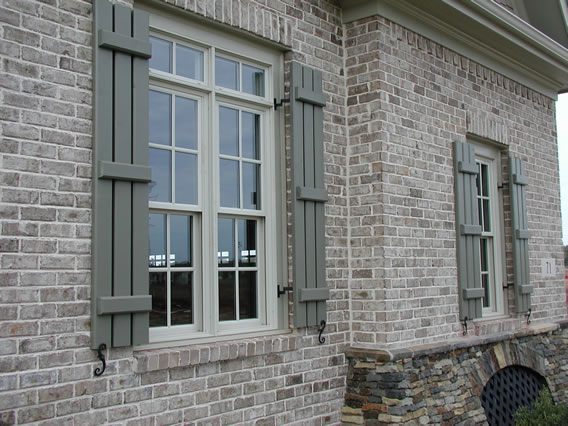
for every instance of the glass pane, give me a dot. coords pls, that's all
(186, 178)
(478, 179)
(157, 240)
(226, 242)
(180, 241)
(485, 180)
(158, 314)
(251, 187)
(483, 254)
(228, 131)
(485, 285)
(186, 123)
(247, 294)
(159, 122)
(486, 216)
(229, 171)
(182, 298)
(226, 73)
(161, 59)
(227, 308)
(189, 62)
(253, 80)
(247, 242)
(251, 135)
(161, 187)
(480, 212)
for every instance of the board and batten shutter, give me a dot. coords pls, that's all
(120, 298)
(518, 182)
(308, 196)
(468, 231)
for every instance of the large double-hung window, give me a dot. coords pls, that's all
(214, 151)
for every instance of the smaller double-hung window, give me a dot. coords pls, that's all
(490, 210)
(214, 150)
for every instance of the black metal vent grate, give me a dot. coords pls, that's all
(507, 390)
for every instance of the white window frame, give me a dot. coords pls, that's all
(491, 156)
(271, 227)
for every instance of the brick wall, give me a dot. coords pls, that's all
(408, 100)
(46, 366)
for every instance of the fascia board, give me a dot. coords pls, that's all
(487, 34)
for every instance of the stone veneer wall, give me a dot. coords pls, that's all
(46, 364)
(442, 383)
(408, 100)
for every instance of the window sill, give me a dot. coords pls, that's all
(147, 360)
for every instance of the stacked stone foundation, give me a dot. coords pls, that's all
(442, 383)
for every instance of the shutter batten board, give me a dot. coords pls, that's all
(120, 297)
(521, 235)
(468, 231)
(308, 209)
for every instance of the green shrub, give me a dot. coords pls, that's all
(543, 413)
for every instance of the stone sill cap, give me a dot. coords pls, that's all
(386, 355)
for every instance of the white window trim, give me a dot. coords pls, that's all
(199, 36)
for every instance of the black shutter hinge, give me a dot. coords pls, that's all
(282, 101)
(464, 323)
(284, 290)
(321, 328)
(529, 316)
(99, 371)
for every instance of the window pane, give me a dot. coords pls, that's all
(480, 212)
(227, 307)
(253, 80)
(161, 54)
(251, 187)
(247, 294)
(159, 122)
(180, 241)
(157, 240)
(229, 171)
(189, 62)
(226, 73)
(186, 123)
(485, 285)
(160, 187)
(228, 131)
(158, 314)
(251, 135)
(182, 298)
(478, 179)
(485, 180)
(186, 178)
(483, 251)
(226, 242)
(486, 216)
(247, 242)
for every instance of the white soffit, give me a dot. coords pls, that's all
(480, 30)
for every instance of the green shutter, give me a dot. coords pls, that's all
(308, 196)
(518, 181)
(120, 299)
(468, 231)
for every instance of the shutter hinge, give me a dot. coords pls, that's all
(100, 355)
(529, 316)
(321, 339)
(284, 290)
(464, 323)
(282, 101)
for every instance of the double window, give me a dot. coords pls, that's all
(215, 156)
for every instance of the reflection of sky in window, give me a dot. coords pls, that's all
(226, 73)
(229, 183)
(159, 118)
(253, 80)
(157, 238)
(226, 241)
(228, 131)
(180, 239)
(189, 62)
(186, 123)
(250, 135)
(161, 54)
(160, 162)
